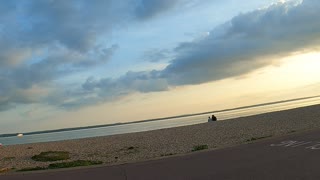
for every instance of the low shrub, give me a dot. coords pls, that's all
(76, 163)
(199, 147)
(51, 156)
(32, 169)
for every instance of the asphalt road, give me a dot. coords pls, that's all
(296, 156)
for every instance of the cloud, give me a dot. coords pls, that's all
(157, 55)
(76, 24)
(131, 81)
(13, 56)
(145, 82)
(21, 96)
(44, 41)
(6, 8)
(23, 78)
(245, 43)
(72, 24)
(67, 35)
(95, 91)
(150, 8)
(56, 66)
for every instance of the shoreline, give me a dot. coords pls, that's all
(149, 145)
(156, 119)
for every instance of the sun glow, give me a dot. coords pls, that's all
(303, 67)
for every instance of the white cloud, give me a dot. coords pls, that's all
(246, 43)
(69, 32)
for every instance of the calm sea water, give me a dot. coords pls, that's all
(147, 126)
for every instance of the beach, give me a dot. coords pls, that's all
(133, 147)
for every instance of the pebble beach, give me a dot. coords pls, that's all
(133, 147)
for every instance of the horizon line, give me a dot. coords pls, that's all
(155, 119)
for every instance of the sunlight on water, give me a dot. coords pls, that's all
(147, 126)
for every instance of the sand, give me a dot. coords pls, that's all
(126, 148)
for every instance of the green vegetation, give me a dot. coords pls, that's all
(32, 169)
(167, 154)
(51, 156)
(76, 163)
(257, 138)
(199, 147)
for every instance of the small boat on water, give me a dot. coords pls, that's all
(20, 135)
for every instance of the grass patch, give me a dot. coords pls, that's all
(199, 147)
(32, 169)
(76, 163)
(51, 156)
(167, 154)
(62, 165)
(257, 138)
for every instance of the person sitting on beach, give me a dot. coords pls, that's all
(214, 118)
(209, 119)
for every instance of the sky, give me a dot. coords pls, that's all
(79, 62)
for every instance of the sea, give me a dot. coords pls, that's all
(161, 124)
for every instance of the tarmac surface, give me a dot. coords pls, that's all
(296, 156)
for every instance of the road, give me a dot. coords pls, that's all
(296, 156)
